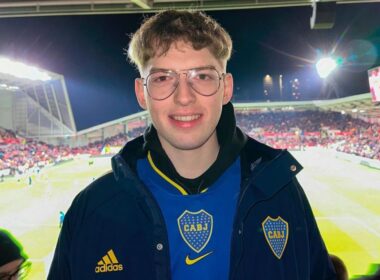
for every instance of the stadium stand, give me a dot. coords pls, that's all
(296, 130)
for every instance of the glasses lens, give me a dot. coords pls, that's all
(204, 81)
(161, 84)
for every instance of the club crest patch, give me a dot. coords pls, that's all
(195, 228)
(276, 233)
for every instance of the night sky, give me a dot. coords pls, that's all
(88, 51)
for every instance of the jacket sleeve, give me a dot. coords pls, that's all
(321, 267)
(60, 268)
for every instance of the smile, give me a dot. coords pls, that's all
(186, 118)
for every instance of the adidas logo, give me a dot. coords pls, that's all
(108, 263)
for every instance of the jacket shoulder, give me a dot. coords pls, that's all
(101, 191)
(261, 150)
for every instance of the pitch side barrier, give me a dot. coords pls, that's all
(372, 163)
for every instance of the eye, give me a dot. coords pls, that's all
(205, 75)
(160, 78)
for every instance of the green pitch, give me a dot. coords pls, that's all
(31, 213)
(345, 198)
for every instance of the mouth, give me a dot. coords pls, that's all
(188, 118)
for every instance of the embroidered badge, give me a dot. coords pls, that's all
(276, 233)
(195, 228)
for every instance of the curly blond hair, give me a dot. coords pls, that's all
(159, 32)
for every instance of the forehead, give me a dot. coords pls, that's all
(182, 55)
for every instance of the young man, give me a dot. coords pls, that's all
(194, 198)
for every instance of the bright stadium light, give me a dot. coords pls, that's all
(13, 88)
(23, 71)
(325, 66)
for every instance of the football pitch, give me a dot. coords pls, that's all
(345, 198)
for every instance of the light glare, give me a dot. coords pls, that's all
(325, 66)
(23, 71)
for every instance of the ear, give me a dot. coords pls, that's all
(228, 88)
(139, 91)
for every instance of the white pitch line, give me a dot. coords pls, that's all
(355, 220)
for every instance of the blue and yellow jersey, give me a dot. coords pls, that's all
(199, 226)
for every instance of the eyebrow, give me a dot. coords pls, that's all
(156, 69)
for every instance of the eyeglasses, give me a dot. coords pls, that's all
(21, 272)
(161, 84)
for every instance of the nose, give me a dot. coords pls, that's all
(184, 94)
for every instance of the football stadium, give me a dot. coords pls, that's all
(45, 161)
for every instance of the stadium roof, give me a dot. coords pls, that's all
(34, 102)
(361, 104)
(358, 105)
(17, 8)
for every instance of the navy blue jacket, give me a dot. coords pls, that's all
(114, 228)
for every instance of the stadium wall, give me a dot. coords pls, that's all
(359, 160)
(6, 109)
(109, 129)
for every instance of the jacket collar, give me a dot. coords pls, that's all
(268, 169)
(277, 173)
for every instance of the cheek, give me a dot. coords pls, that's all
(156, 112)
(214, 114)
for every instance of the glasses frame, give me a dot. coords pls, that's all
(178, 73)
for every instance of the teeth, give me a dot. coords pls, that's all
(186, 118)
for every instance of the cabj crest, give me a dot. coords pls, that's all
(276, 233)
(195, 229)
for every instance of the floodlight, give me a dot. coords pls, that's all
(325, 66)
(13, 88)
(21, 70)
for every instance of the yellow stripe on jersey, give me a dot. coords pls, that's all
(166, 178)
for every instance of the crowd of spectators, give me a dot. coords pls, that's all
(300, 129)
(19, 154)
(280, 129)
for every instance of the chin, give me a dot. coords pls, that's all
(187, 146)
(190, 142)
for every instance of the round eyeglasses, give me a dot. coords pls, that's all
(161, 84)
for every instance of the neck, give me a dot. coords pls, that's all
(193, 163)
